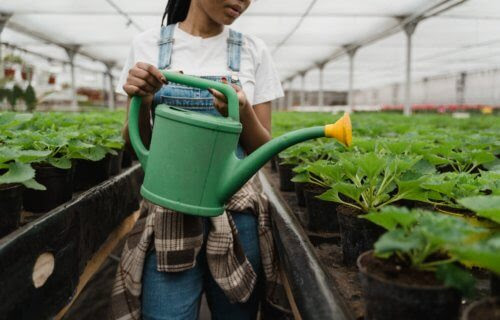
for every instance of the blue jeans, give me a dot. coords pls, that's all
(177, 295)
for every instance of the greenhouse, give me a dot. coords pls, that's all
(250, 159)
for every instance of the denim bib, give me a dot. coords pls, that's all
(195, 99)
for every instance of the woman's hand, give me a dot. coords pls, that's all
(144, 80)
(220, 100)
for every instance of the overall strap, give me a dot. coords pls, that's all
(234, 43)
(166, 43)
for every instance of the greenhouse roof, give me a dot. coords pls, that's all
(453, 36)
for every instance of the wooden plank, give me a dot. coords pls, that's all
(100, 256)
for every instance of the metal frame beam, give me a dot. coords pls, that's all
(409, 31)
(37, 35)
(425, 13)
(4, 18)
(321, 94)
(302, 89)
(111, 90)
(71, 52)
(351, 52)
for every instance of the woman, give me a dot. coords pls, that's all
(170, 258)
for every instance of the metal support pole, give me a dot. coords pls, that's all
(409, 30)
(351, 52)
(104, 88)
(71, 52)
(461, 86)
(302, 89)
(111, 90)
(321, 98)
(290, 94)
(4, 17)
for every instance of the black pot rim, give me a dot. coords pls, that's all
(10, 186)
(365, 272)
(472, 306)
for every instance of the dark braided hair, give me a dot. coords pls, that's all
(176, 11)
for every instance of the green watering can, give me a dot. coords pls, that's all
(192, 166)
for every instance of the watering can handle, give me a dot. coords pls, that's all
(136, 101)
(190, 81)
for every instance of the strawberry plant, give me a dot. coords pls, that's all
(426, 241)
(371, 180)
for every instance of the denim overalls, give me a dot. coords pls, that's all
(177, 295)
(199, 100)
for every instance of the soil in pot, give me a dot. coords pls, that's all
(486, 309)
(299, 192)
(126, 159)
(116, 163)
(322, 214)
(393, 291)
(90, 173)
(59, 184)
(286, 174)
(356, 235)
(11, 201)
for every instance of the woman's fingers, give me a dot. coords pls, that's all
(152, 70)
(218, 95)
(146, 76)
(143, 84)
(134, 91)
(144, 79)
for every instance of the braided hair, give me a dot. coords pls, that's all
(176, 11)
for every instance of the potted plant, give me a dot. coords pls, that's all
(16, 174)
(413, 272)
(317, 177)
(371, 181)
(485, 309)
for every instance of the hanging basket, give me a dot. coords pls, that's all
(52, 79)
(9, 73)
(27, 74)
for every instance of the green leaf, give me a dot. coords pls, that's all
(27, 156)
(61, 163)
(455, 277)
(32, 184)
(397, 241)
(484, 253)
(392, 217)
(484, 206)
(17, 173)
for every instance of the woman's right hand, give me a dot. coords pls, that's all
(143, 80)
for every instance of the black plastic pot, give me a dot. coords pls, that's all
(59, 184)
(116, 163)
(90, 173)
(126, 159)
(299, 192)
(356, 235)
(495, 285)
(389, 299)
(286, 174)
(486, 309)
(322, 214)
(11, 201)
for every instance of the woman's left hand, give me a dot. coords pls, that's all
(220, 100)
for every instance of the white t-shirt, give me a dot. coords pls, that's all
(208, 57)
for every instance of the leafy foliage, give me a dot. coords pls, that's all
(427, 241)
(56, 139)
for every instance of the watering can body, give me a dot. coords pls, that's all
(192, 166)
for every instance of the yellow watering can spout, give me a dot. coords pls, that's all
(340, 130)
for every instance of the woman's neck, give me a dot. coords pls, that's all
(199, 24)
